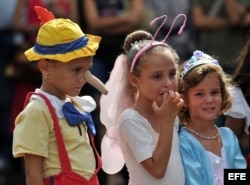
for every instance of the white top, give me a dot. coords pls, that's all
(137, 141)
(240, 108)
(218, 165)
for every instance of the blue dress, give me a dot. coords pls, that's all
(197, 166)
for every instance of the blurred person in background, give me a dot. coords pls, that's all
(10, 172)
(221, 26)
(184, 43)
(7, 46)
(26, 21)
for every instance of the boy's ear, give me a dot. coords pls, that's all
(133, 80)
(43, 66)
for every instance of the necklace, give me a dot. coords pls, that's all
(202, 136)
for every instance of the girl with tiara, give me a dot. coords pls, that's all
(206, 150)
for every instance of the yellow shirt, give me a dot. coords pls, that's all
(34, 134)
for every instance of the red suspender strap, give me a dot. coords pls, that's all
(98, 157)
(64, 159)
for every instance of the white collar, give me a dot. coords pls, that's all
(86, 102)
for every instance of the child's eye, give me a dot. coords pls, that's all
(173, 74)
(198, 94)
(157, 76)
(215, 92)
(77, 70)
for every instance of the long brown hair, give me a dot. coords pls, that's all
(241, 75)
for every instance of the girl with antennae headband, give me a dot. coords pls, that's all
(140, 112)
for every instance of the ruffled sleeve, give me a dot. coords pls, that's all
(240, 108)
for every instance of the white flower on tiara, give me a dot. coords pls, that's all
(198, 58)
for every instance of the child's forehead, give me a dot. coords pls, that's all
(160, 55)
(159, 63)
(83, 61)
(210, 78)
(78, 62)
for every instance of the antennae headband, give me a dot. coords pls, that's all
(162, 43)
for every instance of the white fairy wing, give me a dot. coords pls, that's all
(111, 106)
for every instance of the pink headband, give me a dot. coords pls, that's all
(152, 43)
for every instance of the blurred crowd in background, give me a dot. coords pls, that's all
(216, 27)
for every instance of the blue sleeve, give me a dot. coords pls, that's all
(235, 159)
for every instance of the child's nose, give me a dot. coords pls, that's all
(209, 98)
(81, 78)
(168, 81)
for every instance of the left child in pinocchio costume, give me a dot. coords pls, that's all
(55, 132)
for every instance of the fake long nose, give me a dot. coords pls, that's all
(95, 82)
